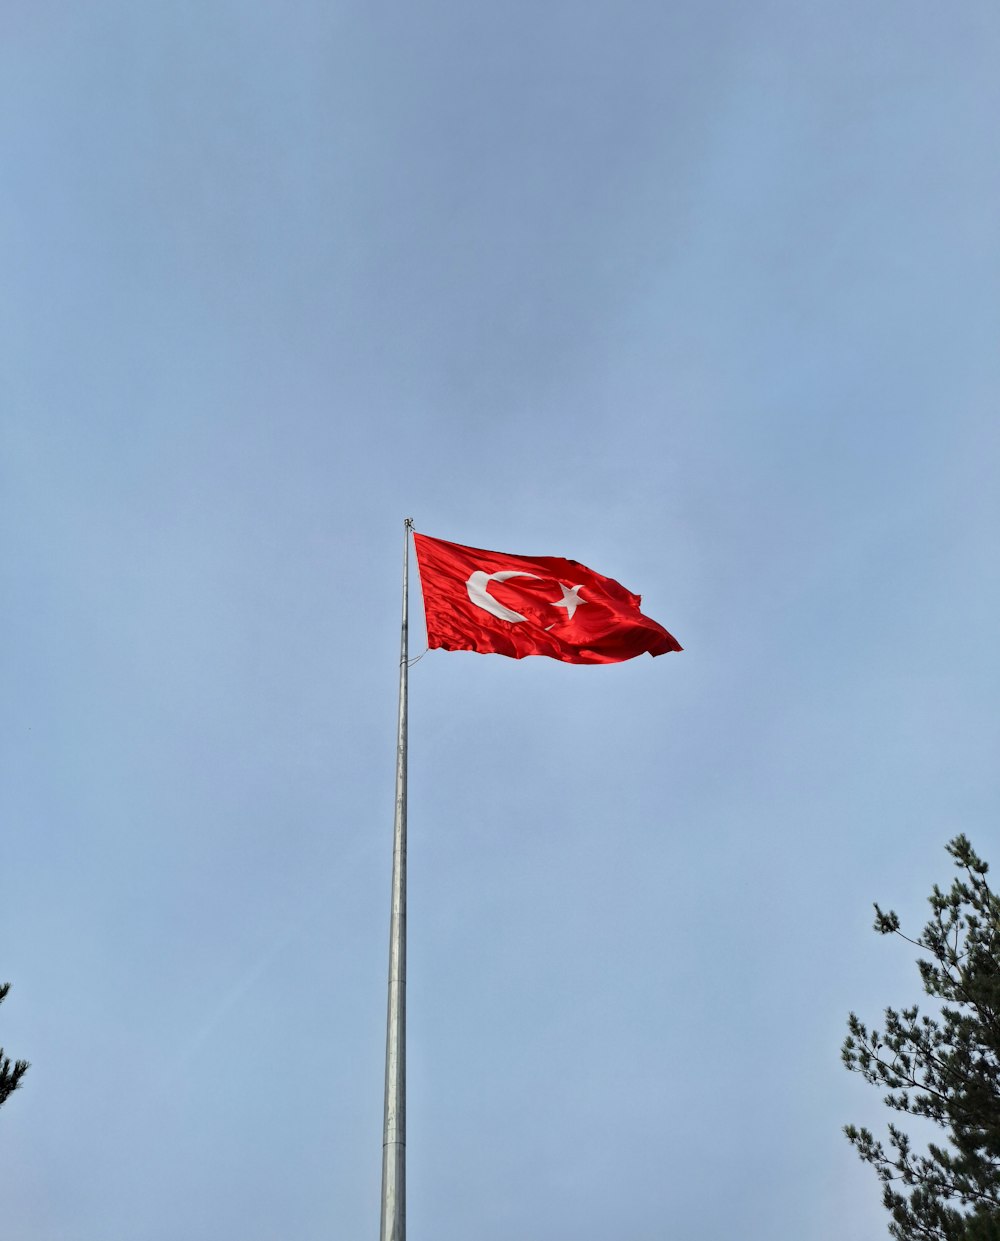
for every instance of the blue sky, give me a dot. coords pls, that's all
(705, 297)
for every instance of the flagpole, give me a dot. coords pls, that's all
(393, 1225)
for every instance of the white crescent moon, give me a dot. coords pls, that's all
(481, 597)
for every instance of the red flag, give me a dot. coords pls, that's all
(490, 602)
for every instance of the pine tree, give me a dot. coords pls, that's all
(10, 1074)
(944, 1067)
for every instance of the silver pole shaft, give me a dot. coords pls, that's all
(393, 1227)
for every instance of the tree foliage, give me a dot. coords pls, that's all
(944, 1067)
(10, 1074)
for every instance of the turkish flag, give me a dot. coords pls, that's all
(490, 602)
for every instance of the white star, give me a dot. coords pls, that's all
(570, 601)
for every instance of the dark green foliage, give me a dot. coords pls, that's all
(944, 1067)
(10, 1074)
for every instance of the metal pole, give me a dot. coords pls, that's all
(393, 1227)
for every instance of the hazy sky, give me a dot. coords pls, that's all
(703, 295)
